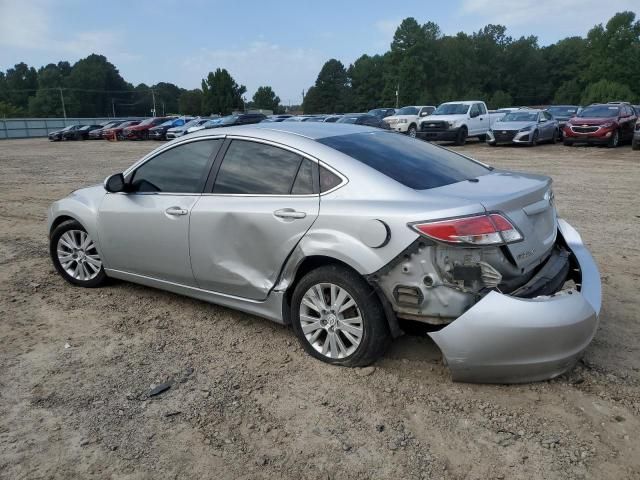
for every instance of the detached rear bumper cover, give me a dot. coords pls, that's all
(503, 339)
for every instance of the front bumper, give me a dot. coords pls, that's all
(504, 339)
(398, 127)
(599, 137)
(438, 135)
(509, 136)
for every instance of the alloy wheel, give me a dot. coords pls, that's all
(331, 320)
(78, 255)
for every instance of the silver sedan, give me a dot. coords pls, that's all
(344, 232)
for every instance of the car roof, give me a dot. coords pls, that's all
(311, 130)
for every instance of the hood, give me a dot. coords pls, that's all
(499, 125)
(591, 121)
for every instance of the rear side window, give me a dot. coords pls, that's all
(182, 169)
(413, 163)
(328, 180)
(257, 169)
(303, 184)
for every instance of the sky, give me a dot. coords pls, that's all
(282, 43)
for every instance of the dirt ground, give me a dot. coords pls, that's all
(77, 365)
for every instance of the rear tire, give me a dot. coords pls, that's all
(482, 138)
(338, 318)
(635, 144)
(554, 138)
(461, 137)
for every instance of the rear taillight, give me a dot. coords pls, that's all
(488, 229)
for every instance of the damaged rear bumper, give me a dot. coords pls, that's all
(505, 339)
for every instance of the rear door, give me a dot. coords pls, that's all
(263, 200)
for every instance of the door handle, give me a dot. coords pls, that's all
(176, 211)
(289, 213)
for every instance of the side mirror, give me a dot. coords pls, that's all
(115, 183)
(424, 114)
(543, 119)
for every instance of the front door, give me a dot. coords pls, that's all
(146, 230)
(263, 201)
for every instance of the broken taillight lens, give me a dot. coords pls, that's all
(488, 229)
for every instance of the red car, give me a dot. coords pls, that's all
(141, 130)
(116, 132)
(603, 123)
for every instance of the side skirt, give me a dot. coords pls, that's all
(271, 308)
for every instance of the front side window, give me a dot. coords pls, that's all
(475, 111)
(182, 169)
(253, 168)
(413, 163)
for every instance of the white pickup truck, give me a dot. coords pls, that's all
(457, 121)
(407, 119)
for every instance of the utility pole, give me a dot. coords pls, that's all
(397, 94)
(153, 95)
(64, 110)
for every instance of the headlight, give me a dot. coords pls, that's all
(402, 120)
(526, 129)
(607, 125)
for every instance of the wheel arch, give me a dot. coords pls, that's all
(305, 264)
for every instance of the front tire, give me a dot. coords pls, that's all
(615, 140)
(75, 256)
(534, 138)
(635, 144)
(461, 137)
(338, 318)
(412, 131)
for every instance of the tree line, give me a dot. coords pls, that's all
(93, 87)
(425, 67)
(421, 67)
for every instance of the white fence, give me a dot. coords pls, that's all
(40, 127)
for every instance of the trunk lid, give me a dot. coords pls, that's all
(528, 203)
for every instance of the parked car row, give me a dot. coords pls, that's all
(606, 124)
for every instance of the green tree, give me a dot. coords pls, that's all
(93, 82)
(47, 102)
(569, 92)
(613, 51)
(221, 94)
(190, 102)
(8, 110)
(331, 92)
(367, 82)
(167, 96)
(500, 99)
(607, 91)
(265, 98)
(21, 82)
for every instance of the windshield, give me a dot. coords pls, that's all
(112, 124)
(209, 123)
(413, 163)
(451, 109)
(562, 111)
(168, 123)
(191, 123)
(348, 119)
(148, 121)
(128, 124)
(407, 111)
(520, 117)
(599, 111)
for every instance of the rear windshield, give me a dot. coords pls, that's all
(413, 163)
